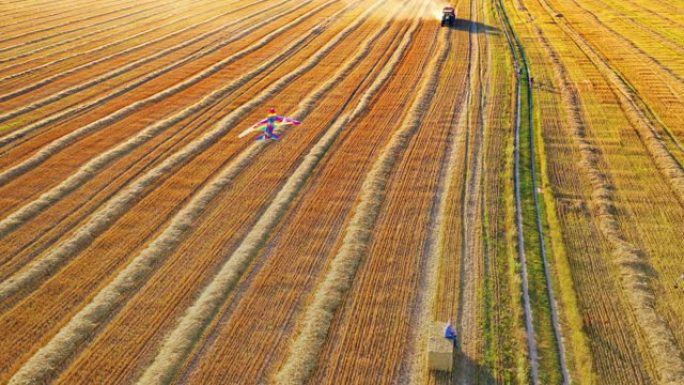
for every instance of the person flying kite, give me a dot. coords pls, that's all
(268, 125)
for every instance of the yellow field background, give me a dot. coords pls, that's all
(520, 174)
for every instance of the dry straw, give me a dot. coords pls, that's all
(180, 342)
(120, 203)
(81, 38)
(111, 74)
(103, 47)
(637, 113)
(62, 32)
(631, 261)
(317, 318)
(437, 237)
(45, 364)
(120, 114)
(99, 163)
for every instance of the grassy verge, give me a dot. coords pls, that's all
(530, 172)
(505, 346)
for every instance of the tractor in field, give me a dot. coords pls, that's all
(449, 17)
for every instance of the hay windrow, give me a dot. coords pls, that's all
(179, 343)
(637, 113)
(48, 361)
(631, 261)
(103, 47)
(317, 318)
(80, 37)
(119, 204)
(97, 164)
(130, 66)
(37, 40)
(57, 96)
(42, 366)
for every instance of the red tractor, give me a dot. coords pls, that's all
(449, 17)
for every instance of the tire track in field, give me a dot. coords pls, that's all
(112, 210)
(113, 73)
(416, 357)
(151, 131)
(61, 143)
(178, 344)
(497, 304)
(317, 318)
(142, 266)
(61, 33)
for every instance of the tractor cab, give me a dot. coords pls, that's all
(449, 17)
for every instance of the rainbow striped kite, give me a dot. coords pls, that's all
(268, 125)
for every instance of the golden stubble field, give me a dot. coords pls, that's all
(520, 174)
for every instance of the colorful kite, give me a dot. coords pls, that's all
(268, 125)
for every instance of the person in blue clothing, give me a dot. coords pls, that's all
(450, 333)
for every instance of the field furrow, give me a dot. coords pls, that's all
(204, 166)
(142, 136)
(126, 6)
(128, 195)
(131, 108)
(131, 19)
(514, 168)
(657, 89)
(629, 247)
(83, 48)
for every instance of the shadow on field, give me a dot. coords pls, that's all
(477, 374)
(467, 25)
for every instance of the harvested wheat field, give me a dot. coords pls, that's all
(509, 170)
